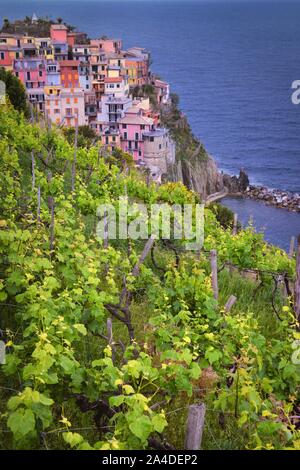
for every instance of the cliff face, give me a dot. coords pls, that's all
(194, 167)
(199, 175)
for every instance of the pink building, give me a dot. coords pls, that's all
(132, 127)
(107, 45)
(32, 73)
(59, 33)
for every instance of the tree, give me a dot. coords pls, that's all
(86, 136)
(15, 91)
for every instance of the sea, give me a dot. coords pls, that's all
(232, 63)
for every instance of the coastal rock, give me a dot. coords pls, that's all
(274, 197)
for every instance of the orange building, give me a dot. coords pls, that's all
(69, 73)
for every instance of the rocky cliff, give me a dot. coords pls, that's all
(194, 167)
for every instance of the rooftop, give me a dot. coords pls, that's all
(136, 119)
(113, 80)
(59, 27)
(69, 63)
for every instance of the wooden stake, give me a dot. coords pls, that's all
(39, 204)
(235, 223)
(292, 247)
(230, 303)
(297, 284)
(144, 253)
(214, 273)
(195, 426)
(105, 243)
(73, 178)
(33, 170)
(52, 224)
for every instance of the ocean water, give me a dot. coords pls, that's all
(231, 62)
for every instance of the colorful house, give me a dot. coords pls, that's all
(107, 45)
(44, 48)
(69, 73)
(159, 151)
(32, 73)
(65, 107)
(81, 52)
(162, 90)
(53, 73)
(59, 33)
(137, 71)
(85, 76)
(132, 127)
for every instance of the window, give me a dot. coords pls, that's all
(142, 127)
(151, 139)
(28, 75)
(76, 100)
(16, 74)
(136, 136)
(106, 140)
(56, 111)
(2, 56)
(159, 146)
(40, 73)
(17, 55)
(125, 135)
(124, 126)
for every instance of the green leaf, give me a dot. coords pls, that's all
(116, 401)
(72, 438)
(159, 422)
(21, 422)
(81, 328)
(67, 364)
(141, 427)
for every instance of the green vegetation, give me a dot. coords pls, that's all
(15, 91)
(187, 146)
(39, 28)
(68, 384)
(87, 137)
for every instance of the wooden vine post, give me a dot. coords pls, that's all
(297, 285)
(195, 426)
(292, 248)
(230, 303)
(235, 224)
(214, 273)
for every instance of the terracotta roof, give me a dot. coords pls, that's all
(60, 27)
(69, 63)
(113, 80)
(136, 119)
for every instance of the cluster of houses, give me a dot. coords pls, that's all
(75, 81)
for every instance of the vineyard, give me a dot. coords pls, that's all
(109, 342)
